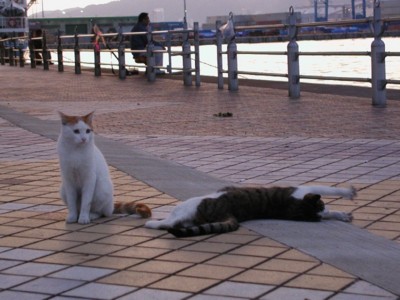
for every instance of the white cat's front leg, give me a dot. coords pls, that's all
(86, 203)
(68, 195)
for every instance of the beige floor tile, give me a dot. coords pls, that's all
(21, 214)
(392, 218)
(389, 226)
(67, 258)
(81, 236)
(184, 284)
(54, 245)
(258, 251)
(146, 232)
(211, 272)
(140, 252)
(9, 229)
(96, 249)
(31, 222)
(241, 261)
(327, 270)
(233, 238)
(166, 243)
(210, 247)
(326, 283)
(187, 256)
(106, 228)
(159, 266)
(132, 278)
(41, 233)
(296, 255)
(391, 235)
(7, 220)
(111, 262)
(123, 240)
(266, 242)
(286, 265)
(15, 242)
(264, 277)
(367, 217)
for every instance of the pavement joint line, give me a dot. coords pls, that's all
(372, 258)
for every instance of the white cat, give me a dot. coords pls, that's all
(86, 188)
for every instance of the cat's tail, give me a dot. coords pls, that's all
(131, 208)
(208, 228)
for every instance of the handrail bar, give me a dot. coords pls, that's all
(335, 23)
(267, 26)
(334, 53)
(261, 52)
(392, 54)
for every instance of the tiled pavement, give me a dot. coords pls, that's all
(335, 140)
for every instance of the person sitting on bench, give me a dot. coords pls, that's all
(139, 42)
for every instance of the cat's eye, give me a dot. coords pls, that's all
(88, 131)
(76, 131)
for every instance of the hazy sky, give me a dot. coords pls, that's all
(60, 5)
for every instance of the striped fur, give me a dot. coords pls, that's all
(130, 208)
(230, 224)
(223, 211)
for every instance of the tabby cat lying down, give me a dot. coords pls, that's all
(222, 211)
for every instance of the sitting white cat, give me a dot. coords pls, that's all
(86, 188)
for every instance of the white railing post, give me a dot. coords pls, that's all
(60, 53)
(218, 39)
(293, 58)
(77, 54)
(151, 60)
(197, 53)
(121, 56)
(378, 69)
(186, 60)
(232, 61)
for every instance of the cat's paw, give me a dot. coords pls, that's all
(346, 217)
(352, 192)
(84, 219)
(153, 224)
(71, 218)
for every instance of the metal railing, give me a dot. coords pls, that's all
(189, 41)
(79, 43)
(377, 54)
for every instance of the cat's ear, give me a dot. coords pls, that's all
(64, 118)
(88, 119)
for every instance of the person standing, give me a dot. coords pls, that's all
(139, 42)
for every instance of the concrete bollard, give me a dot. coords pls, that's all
(151, 61)
(293, 58)
(378, 68)
(77, 55)
(45, 52)
(121, 62)
(220, 74)
(197, 53)
(186, 61)
(2, 54)
(97, 62)
(233, 84)
(60, 53)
